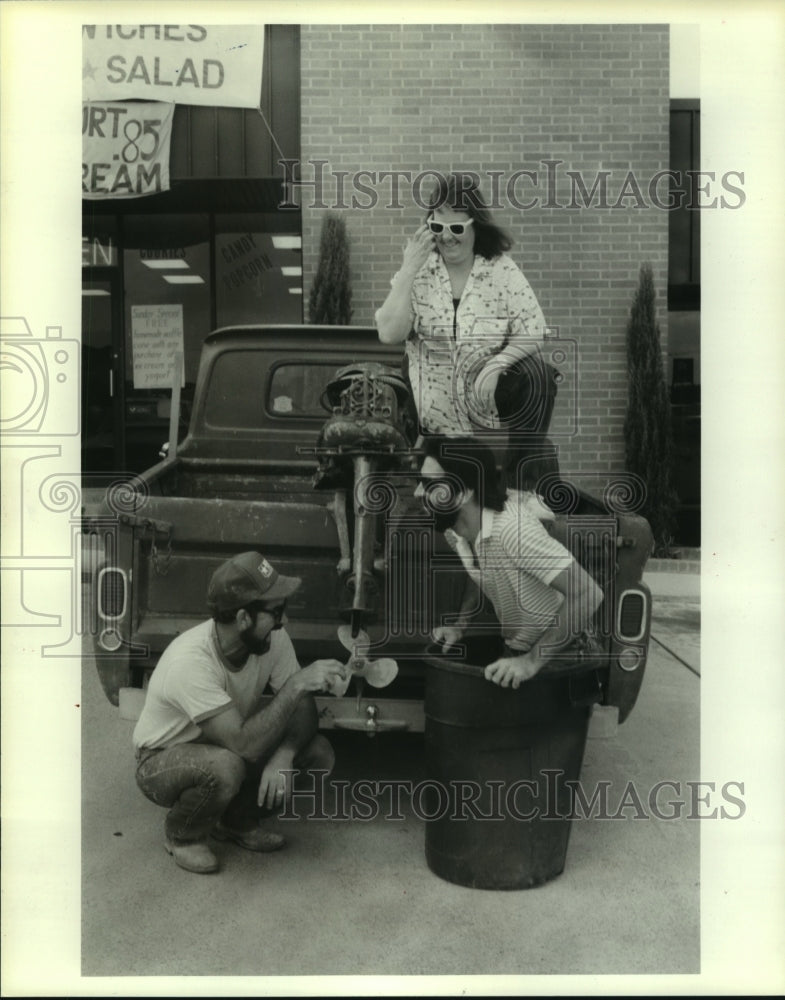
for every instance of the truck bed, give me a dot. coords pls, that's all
(243, 479)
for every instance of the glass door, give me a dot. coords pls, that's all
(103, 434)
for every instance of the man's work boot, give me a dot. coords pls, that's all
(196, 857)
(255, 839)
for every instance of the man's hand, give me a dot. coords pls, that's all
(447, 635)
(275, 787)
(512, 671)
(321, 675)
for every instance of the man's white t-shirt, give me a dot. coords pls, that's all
(190, 684)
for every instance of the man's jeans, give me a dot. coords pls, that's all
(201, 783)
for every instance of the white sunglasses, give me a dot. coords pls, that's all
(456, 228)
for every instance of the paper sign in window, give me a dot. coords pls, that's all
(157, 336)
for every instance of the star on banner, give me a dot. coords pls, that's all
(88, 70)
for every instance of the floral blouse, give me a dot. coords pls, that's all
(452, 342)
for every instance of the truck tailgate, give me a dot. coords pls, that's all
(172, 568)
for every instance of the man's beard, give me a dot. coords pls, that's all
(444, 519)
(254, 645)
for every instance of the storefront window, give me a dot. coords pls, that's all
(175, 277)
(258, 270)
(167, 312)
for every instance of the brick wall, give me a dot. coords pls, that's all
(504, 98)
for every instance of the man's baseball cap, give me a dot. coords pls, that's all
(246, 578)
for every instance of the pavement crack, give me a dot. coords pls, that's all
(675, 655)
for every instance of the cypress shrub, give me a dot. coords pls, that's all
(330, 299)
(647, 427)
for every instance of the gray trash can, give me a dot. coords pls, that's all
(497, 761)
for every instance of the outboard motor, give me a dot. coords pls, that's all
(371, 430)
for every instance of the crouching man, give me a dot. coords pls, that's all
(205, 747)
(543, 598)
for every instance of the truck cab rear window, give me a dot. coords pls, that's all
(244, 392)
(296, 389)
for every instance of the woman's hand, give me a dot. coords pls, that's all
(417, 250)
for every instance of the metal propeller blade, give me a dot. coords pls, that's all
(351, 642)
(378, 673)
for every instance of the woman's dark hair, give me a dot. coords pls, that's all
(461, 191)
(473, 463)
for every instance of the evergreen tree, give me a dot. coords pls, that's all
(647, 427)
(330, 300)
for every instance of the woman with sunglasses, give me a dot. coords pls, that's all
(473, 331)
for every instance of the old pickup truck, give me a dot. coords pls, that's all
(300, 446)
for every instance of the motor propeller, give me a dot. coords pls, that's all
(378, 673)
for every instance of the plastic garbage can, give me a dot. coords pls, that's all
(497, 806)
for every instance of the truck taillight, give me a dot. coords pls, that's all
(631, 621)
(629, 659)
(112, 593)
(110, 640)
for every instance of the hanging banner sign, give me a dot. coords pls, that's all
(156, 338)
(218, 66)
(125, 149)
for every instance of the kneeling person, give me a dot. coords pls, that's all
(542, 597)
(205, 747)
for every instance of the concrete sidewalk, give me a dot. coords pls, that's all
(676, 611)
(357, 898)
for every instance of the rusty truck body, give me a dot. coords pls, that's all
(250, 474)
